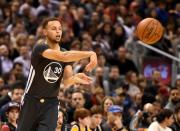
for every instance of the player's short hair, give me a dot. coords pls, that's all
(46, 21)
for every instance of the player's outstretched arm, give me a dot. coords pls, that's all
(67, 56)
(72, 56)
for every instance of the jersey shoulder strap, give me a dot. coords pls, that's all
(38, 49)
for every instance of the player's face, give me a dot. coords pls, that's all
(54, 31)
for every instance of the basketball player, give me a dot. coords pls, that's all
(49, 65)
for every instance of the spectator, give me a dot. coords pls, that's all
(82, 118)
(142, 83)
(45, 5)
(123, 63)
(12, 113)
(14, 8)
(77, 101)
(31, 42)
(98, 96)
(174, 99)
(158, 106)
(4, 90)
(65, 15)
(114, 79)
(2, 26)
(21, 39)
(131, 79)
(177, 84)
(6, 63)
(162, 15)
(95, 22)
(16, 30)
(176, 125)
(119, 37)
(62, 121)
(14, 96)
(103, 64)
(142, 119)
(156, 79)
(137, 102)
(106, 103)
(120, 97)
(24, 59)
(102, 45)
(164, 119)
(114, 119)
(75, 45)
(155, 85)
(106, 32)
(99, 81)
(29, 17)
(16, 74)
(27, 5)
(96, 118)
(1, 81)
(81, 21)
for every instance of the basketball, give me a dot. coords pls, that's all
(149, 30)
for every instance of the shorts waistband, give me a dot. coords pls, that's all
(42, 99)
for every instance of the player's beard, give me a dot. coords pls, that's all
(55, 40)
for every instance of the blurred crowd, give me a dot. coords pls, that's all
(120, 97)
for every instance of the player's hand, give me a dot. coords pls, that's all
(81, 78)
(92, 64)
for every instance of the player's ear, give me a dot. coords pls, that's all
(44, 31)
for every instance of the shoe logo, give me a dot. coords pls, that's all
(52, 72)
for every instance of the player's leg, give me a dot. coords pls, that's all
(48, 120)
(28, 116)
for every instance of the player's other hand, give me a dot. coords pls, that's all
(92, 64)
(81, 78)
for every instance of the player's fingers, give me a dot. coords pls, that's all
(82, 81)
(85, 82)
(85, 77)
(89, 78)
(88, 68)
